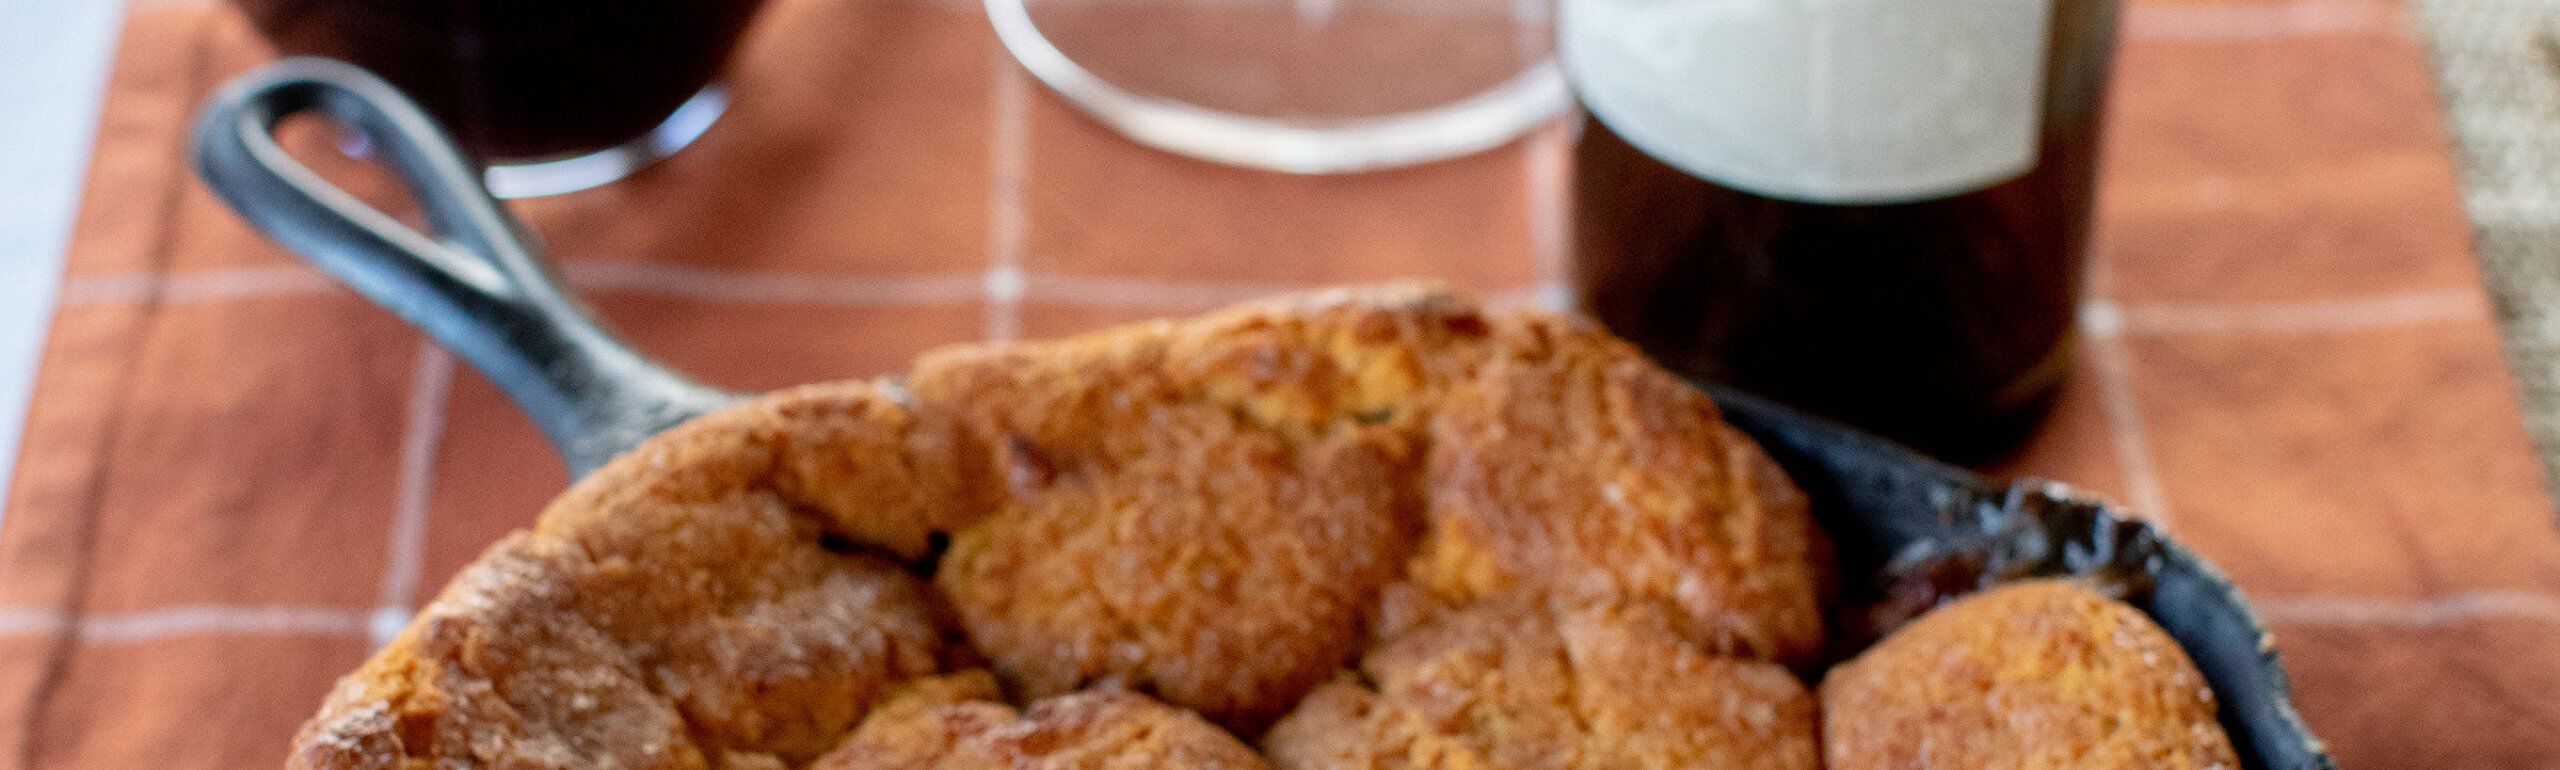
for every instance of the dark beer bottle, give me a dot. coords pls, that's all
(1873, 209)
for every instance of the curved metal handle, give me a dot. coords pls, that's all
(476, 283)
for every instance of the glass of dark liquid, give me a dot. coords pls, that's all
(556, 95)
(1876, 210)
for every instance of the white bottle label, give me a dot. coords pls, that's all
(1824, 101)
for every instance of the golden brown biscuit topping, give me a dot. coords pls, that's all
(1506, 684)
(2033, 675)
(1569, 467)
(1153, 532)
(1202, 510)
(958, 722)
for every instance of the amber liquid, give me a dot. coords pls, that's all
(1945, 324)
(523, 79)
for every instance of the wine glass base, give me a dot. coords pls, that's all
(1478, 122)
(557, 176)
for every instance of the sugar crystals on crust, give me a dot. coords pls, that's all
(1150, 531)
(674, 610)
(958, 722)
(2037, 675)
(1504, 684)
(1573, 469)
(1203, 511)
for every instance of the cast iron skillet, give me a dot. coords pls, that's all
(1910, 530)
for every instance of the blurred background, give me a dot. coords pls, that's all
(2279, 275)
(56, 80)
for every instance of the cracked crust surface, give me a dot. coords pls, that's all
(1571, 468)
(1205, 510)
(675, 610)
(1505, 684)
(2038, 674)
(959, 722)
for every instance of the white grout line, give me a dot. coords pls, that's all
(2190, 22)
(2107, 325)
(1006, 280)
(29, 621)
(198, 620)
(194, 287)
(2112, 367)
(1008, 170)
(604, 276)
(1549, 156)
(187, 620)
(2374, 312)
(2435, 612)
(78, 290)
(402, 562)
(770, 288)
(736, 287)
(1149, 294)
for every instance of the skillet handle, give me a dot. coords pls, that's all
(475, 282)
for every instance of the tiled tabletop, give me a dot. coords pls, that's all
(239, 477)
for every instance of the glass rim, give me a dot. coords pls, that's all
(1482, 121)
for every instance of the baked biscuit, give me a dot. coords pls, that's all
(2038, 674)
(1149, 529)
(1504, 684)
(1204, 510)
(673, 610)
(957, 723)
(1573, 469)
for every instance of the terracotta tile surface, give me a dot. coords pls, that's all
(22, 663)
(89, 349)
(2321, 172)
(190, 500)
(471, 502)
(2357, 89)
(869, 158)
(167, 696)
(156, 88)
(1094, 207)
(2468, 678)
(2439, 494)
(2076, 446)
(236, 474)
(1055, 320)
(763, 347)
